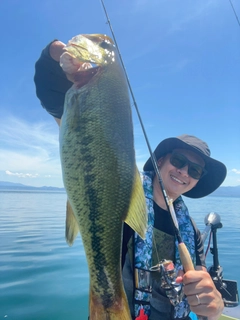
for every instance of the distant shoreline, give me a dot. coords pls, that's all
(10, 186)
(39, 190)
(14, 187)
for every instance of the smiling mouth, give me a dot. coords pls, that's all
(177, 180)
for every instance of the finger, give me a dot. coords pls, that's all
(180, 273)
(200, 310)
(197, 305)
(56, 50)
(204, 310)
(179, 280)
(85, 66)
(193, 276)
(195, 300)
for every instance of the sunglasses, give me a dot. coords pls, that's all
(195, 171)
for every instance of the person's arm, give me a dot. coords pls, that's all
(50, 80)
(127, 234)
(55, 51)
(203, 297)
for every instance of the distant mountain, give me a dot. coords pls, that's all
(220, 192)
(10, 184)
(227, 192)
(19, 186)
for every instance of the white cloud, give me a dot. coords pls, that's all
(235, 171)
(19, 134)
(22, 175)
(29, 150)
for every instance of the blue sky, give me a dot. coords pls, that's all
(182, 59)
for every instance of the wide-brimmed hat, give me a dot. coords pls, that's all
(216, 171)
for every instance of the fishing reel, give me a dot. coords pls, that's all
(168, 273)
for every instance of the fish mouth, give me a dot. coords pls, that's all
(80, 73)
(81, 78)
(84, 55)
(90, 48)
(98, 38)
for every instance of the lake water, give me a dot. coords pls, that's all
(41, 278)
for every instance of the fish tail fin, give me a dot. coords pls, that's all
(119, 309)
(137, 212)
(72, 228)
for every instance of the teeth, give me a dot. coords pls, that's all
(174, 178)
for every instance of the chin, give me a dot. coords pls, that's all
(176, 192)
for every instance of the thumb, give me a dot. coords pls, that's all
(179, 278)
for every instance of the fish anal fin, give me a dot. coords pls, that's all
(137, 212)
(72, 228)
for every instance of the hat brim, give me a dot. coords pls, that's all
(216, 170)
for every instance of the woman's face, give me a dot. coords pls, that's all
(178, 181)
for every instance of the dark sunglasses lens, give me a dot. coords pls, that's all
(195, 171)
(178, 161)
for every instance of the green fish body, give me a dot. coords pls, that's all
(99, 169)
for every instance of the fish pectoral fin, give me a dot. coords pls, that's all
(137, 213)
(72, 228)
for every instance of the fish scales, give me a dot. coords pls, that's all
(99, 173)
(98, 145)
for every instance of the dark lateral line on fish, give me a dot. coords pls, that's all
(152, 155)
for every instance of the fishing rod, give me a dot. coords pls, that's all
(183, 251)
(235, 13)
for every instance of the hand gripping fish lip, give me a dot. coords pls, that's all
(95, 49)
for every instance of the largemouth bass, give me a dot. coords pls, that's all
(99, 170)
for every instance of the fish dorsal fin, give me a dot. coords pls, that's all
(72, 228)
(137, 213)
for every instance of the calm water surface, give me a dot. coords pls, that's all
(42, 278)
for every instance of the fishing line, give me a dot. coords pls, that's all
(168, 201)
(235, 13)
(183, 251)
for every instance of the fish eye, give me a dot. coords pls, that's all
(106, 45)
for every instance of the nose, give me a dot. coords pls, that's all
(184, 170)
